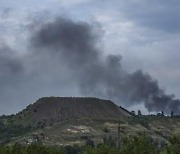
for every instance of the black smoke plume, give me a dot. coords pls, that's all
(76, 44)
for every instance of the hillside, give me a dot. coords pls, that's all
(73, 120)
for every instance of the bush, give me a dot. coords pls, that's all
(174, 147)
(31, 149)
(131, 145)
(90, 143)
(73, 149)
(109, 141)
(139, 145)
(103, 149)
(105, 130)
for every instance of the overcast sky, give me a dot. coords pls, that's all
(145, 33)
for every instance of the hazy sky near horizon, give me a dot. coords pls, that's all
(145, 33)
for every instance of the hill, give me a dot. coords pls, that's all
(49, 110)
(74, 120)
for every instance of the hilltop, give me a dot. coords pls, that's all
(48, 110)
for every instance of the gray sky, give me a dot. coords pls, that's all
(145, 33)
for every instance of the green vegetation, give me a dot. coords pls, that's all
(174, 147)
(129, 145)
(49, 125)
(7, 132)
(31, 149)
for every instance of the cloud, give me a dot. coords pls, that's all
(132, 31)
(68, 3)
(161, 14)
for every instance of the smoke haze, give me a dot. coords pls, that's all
(76, 45)
(65, 51)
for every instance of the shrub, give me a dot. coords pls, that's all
(174, 147)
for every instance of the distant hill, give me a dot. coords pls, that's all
(48, 110)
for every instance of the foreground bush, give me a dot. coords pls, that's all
(139, 145)
(103, 149)
(130, 145)
(31, 149)
(174, 147)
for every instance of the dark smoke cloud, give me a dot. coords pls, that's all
(10, 66)
(24, 77)
(75, 43)
(64, 54)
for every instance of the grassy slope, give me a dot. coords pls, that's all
(77, 131)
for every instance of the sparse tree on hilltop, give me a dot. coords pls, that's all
(162, 113)
(172, 113)
(139, 113)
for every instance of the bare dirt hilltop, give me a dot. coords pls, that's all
(56, 109)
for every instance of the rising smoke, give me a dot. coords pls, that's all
(76, 45)
(64, 46)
